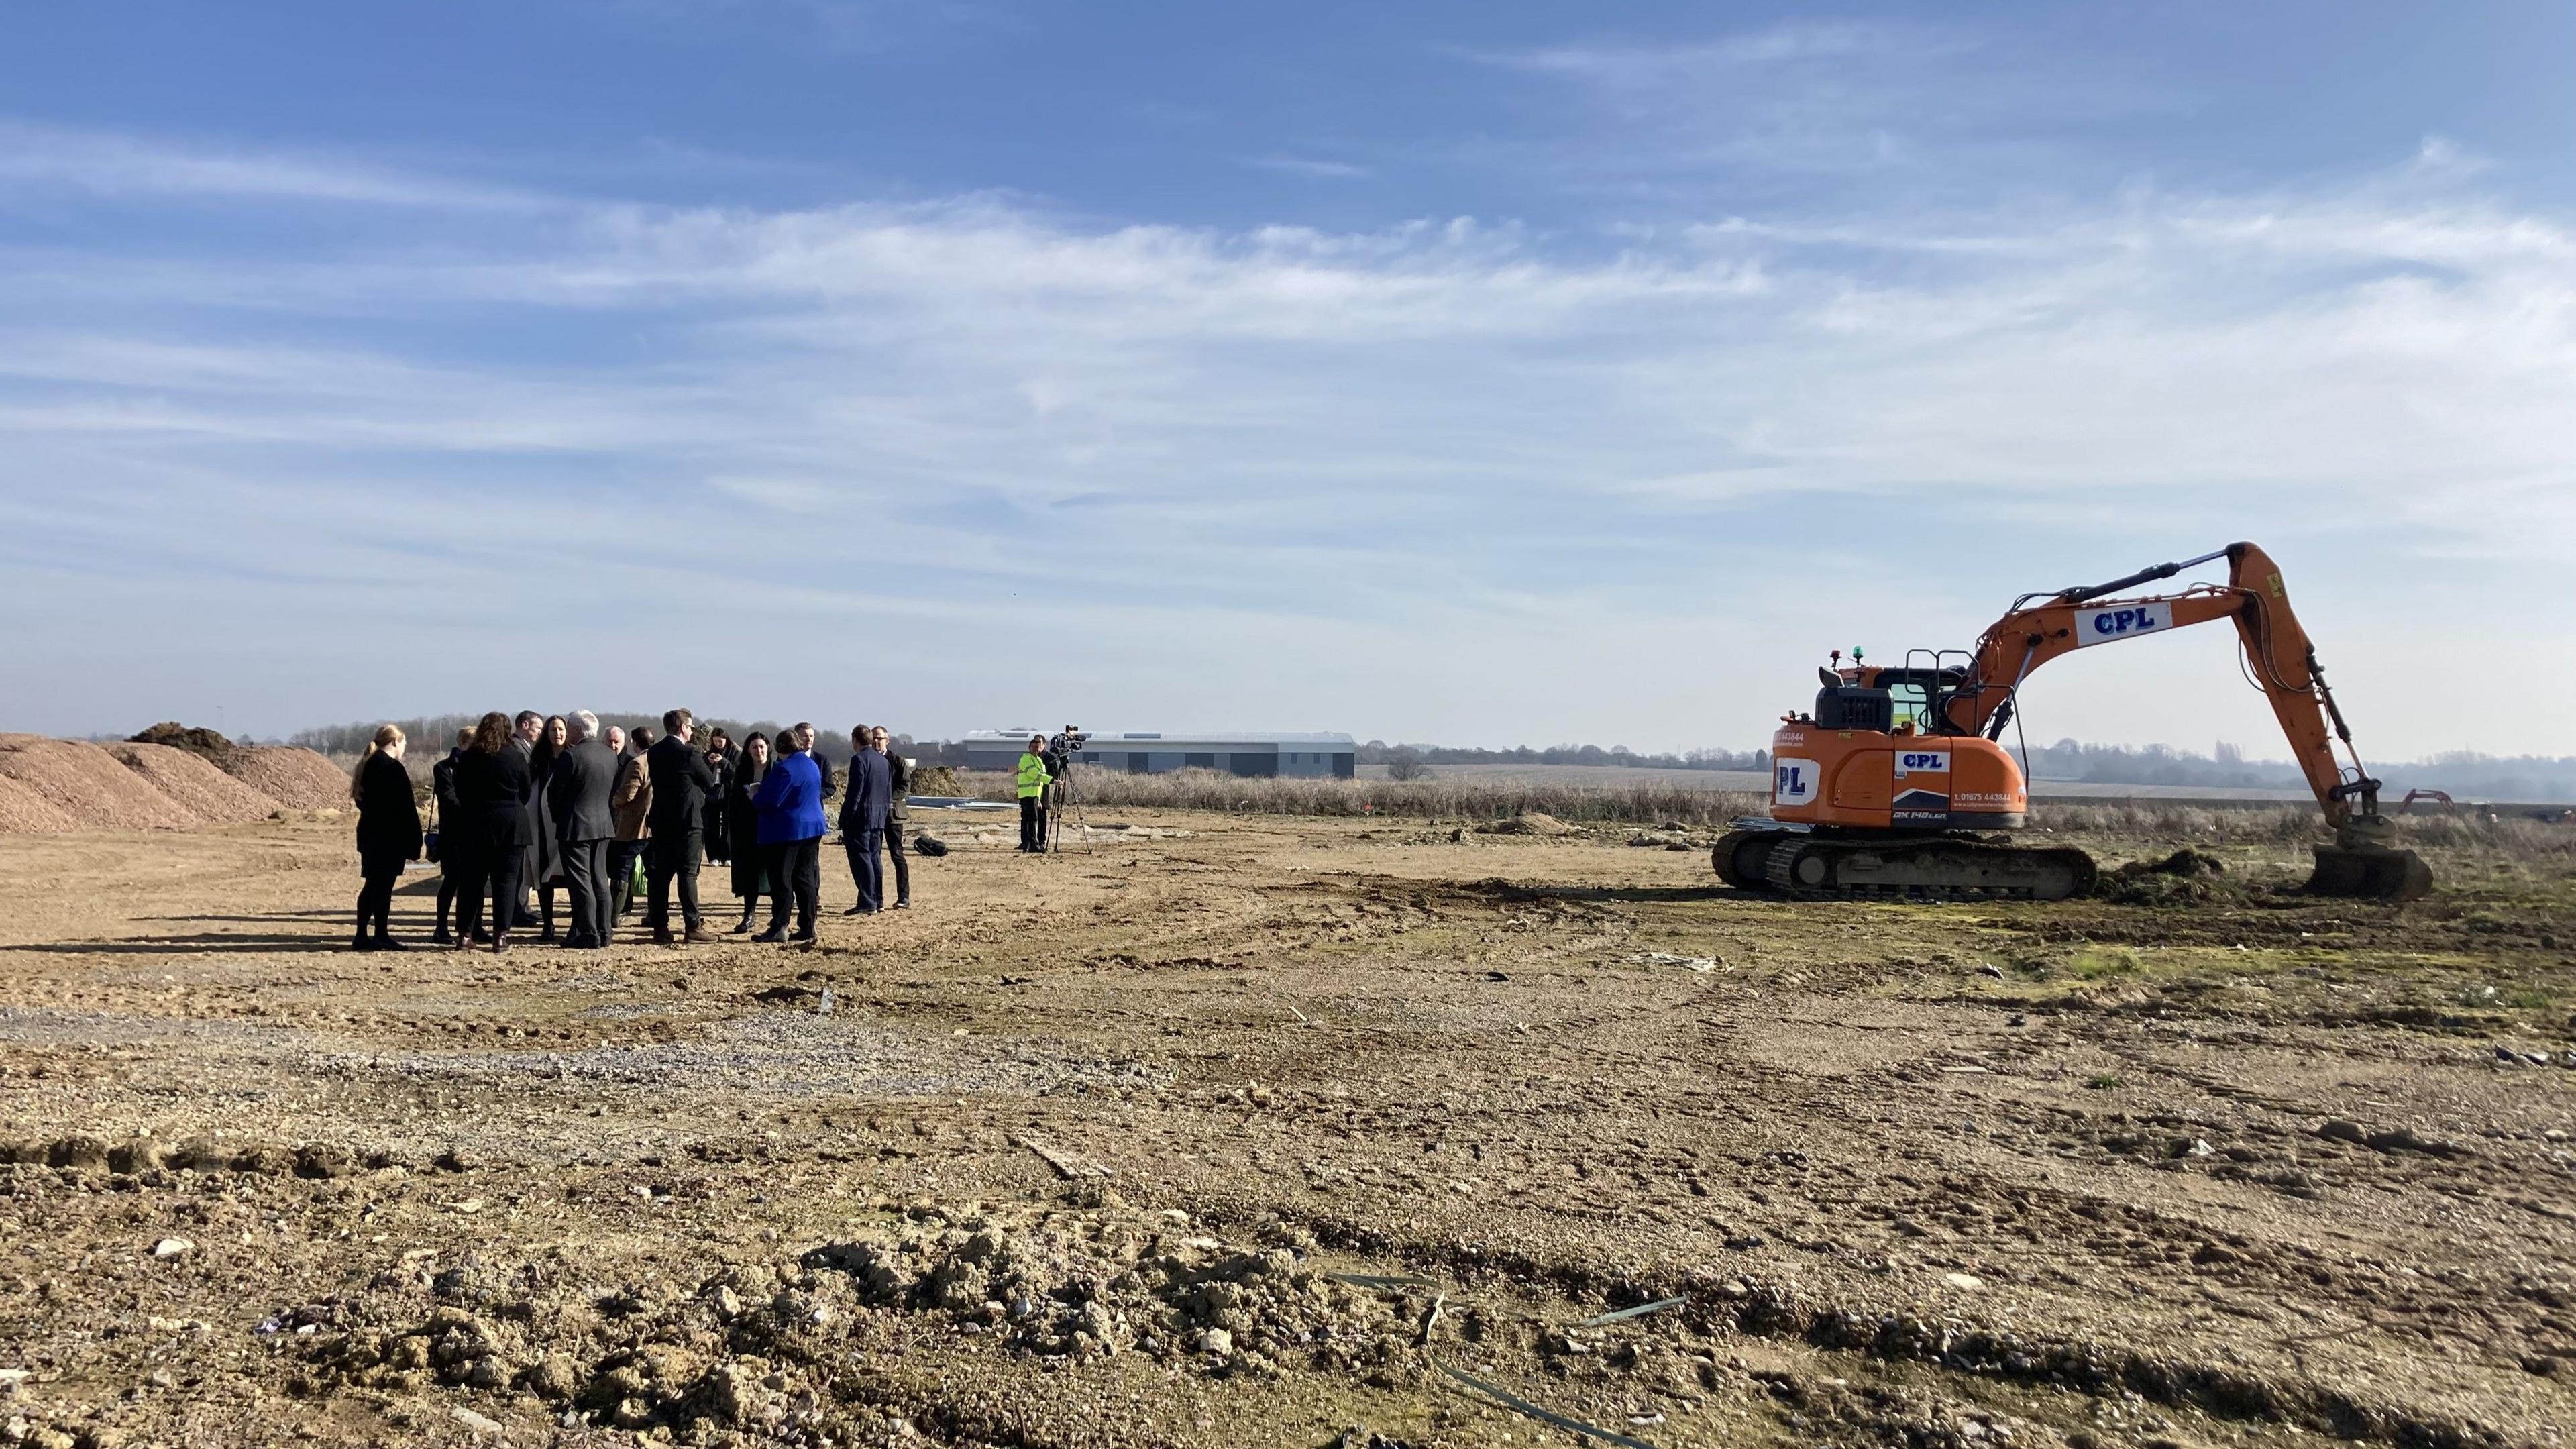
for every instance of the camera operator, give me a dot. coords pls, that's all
(1031, 778)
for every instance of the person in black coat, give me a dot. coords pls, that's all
(742, 823)
(585, 823)
(545, 851)
(493, 791)
(720, 759)
(681, 781)
(388, 835)
(442, 786)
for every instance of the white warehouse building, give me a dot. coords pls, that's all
(1249, 753)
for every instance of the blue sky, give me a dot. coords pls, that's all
(1475, 373)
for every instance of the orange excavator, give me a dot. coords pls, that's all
(1893, 786)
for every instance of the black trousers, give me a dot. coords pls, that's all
(866, 849)
(902, 860)
(377, 873)
(494, 878)
(1032, 822)
(668, 856)
(586, 877)
(796, 869)
(621, 872)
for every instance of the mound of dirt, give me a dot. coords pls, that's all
(87, 784)
(186, 777)
(297, 779)
(24, 812)
(2186, 877)
(1533, 823)
(195, 739)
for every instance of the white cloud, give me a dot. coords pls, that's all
(115, 165)
(1314, 167)
(1560, 468)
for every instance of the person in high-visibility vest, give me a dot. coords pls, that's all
(1033, 779)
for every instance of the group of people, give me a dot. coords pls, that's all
(557, 803)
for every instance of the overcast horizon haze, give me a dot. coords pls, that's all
(1484, 374)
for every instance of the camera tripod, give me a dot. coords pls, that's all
(1065, 808)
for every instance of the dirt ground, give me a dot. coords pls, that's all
(1287, 1132)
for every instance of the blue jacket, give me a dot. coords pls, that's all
(869, 791)
(790, 800)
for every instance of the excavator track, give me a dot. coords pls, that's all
(1924, 868)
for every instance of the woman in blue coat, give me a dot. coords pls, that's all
(790, 803)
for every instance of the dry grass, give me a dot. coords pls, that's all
(1433, 799)
(1647, 803)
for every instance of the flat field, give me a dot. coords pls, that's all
(1265, 1130)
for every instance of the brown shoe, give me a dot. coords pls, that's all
(701, 936)
(500, 942)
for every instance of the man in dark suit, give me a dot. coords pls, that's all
(451, 830)
(584, 775)
(863, 820)
(524, 730)
(681, 780)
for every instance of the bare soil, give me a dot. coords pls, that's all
(1270, 1131)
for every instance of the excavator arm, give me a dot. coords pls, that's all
(2279, 660)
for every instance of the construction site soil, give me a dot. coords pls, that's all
(1254, 1130)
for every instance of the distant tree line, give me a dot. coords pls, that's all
(434, 733)
(1379, 752)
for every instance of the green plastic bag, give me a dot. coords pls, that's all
(635, 883)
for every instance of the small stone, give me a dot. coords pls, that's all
(2213, 1253)
(1216, 1340)
(161, 1379)
(2336, 1129)
(2541, 1364)
(169, 1248)
(474, 1421)
(1990, 969)
(1968, 1281)
(726, 1302)
(2509, 1056)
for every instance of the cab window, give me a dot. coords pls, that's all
(1910, 708)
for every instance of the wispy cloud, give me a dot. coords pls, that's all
(1320, 170)
(114, 165)
(1533, 443)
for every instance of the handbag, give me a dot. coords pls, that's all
(635, 882)
(429, 845)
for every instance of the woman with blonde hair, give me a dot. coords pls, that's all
(388, 835)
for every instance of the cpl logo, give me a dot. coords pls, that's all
(2101, 626)
(1927, 762)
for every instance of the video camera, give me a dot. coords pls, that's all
(1063, 745)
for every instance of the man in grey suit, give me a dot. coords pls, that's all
(584, 774)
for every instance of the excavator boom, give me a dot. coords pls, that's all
(2279, 660)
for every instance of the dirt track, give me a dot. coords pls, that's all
(1927, 1176)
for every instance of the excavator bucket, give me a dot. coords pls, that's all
(2370, 872)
